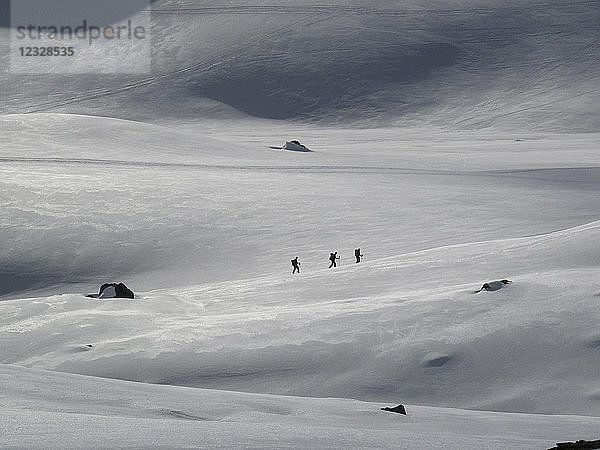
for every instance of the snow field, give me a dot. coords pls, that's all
(454, 142)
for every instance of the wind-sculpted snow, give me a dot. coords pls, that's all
(117, 200)
(406, 327)
(203, 230)
(43, 408)
(445, 143)
(466, 65)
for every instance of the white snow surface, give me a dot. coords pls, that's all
(51, 410)
(459, 63)
(205, 243)
(454, 142)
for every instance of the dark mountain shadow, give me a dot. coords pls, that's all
(265, 92)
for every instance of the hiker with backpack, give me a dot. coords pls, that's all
(295, 265)
(357, 254)
(332, 257)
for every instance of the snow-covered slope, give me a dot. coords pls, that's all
(171, 184)
(49, 410)
(469, 64)
(122, 199)
(206, 241)
(407, 327)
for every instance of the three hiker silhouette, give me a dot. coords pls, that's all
(333, 260)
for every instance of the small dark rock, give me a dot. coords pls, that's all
(120, 291)
(397, 409)
(578, 445)
(493, 285)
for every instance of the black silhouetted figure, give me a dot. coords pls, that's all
(295, 265)
(357, 255)
(332, 257)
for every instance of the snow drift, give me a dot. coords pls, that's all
(42, 407)
(406, 327)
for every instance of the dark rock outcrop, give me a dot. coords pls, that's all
(295, 146)
(493, 285)
(578, 445)
(113, 290)
(396, 409)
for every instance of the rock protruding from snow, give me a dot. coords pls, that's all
(577, 445)
(108, 292)
(296, 146)
(400, 409)
(494, 285)
(114, 290)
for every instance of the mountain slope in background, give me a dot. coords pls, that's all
(454, 64)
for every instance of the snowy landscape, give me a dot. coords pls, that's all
(455, 142)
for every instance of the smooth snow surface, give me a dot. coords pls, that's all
(46, 409)
(454, 142)
(458, 63)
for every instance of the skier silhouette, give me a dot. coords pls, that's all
(357, 255)
(295, 265)
(332, 257)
